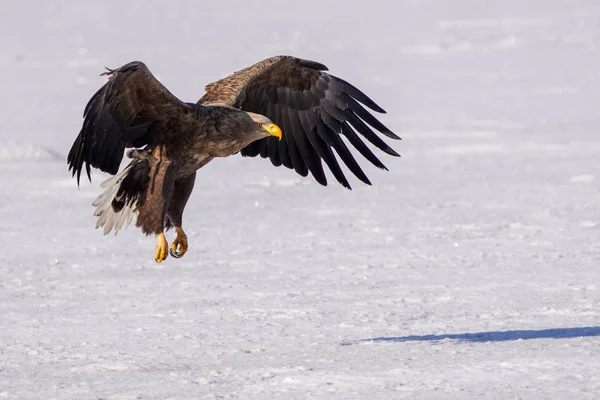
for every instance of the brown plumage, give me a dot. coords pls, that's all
(240, 113)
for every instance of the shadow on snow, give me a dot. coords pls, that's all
(492, 336)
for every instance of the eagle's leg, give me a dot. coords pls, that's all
(181, 193)
(153, 208)
(162, 248)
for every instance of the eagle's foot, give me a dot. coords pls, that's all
(162, 249)
(181, 242)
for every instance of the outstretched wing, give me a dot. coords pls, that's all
(314, 110)
(132, 109)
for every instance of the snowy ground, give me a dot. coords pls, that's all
(468, 271)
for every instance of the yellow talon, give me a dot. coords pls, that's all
(162, 249)
(181, 242)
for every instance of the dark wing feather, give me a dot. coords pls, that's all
(132, 109)
(314, 110)
(288, 145)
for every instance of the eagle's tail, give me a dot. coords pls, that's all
(123, 193)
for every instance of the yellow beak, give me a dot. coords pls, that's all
(273, 130)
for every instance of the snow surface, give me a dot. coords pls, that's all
(468, 271)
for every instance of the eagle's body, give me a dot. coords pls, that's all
(207, 135)
(240, 113)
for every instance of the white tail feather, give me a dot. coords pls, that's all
(108, 219)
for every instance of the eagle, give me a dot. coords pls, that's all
(287, 109)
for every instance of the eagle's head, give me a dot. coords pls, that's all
(265, 126)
